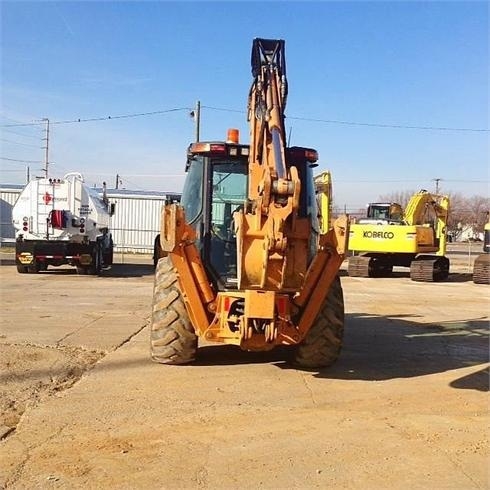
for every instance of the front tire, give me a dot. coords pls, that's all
(34, 268)
(322, 344)
(172, 337)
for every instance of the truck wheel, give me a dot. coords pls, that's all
(108, 254)
(172, 337)
(96, 267)
(322, 344)
(22, 269)
(34, 268)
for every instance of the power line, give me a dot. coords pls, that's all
(135, 175)
(103, 118)
(21, 161)
(224, 109)
(382, 181)
(18, 143)
(395, 126)
(20, 134)
(356, 123)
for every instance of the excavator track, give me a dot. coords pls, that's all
(429, 268)
(481, 269)
(358, 266)
(365, 266)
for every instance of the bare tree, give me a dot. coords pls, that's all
(458, 212)
(463, 211)
(400, 197)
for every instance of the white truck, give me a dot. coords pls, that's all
(62, 221)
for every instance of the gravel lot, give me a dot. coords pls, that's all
(82, 405)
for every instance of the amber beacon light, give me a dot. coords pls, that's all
(232, 136)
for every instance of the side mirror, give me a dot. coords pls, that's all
(112, 208)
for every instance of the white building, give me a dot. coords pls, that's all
(134, 225)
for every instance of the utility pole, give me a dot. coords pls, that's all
(28, 174)
(117, 181)
(196, 115)
(46, 156)
(437, 185)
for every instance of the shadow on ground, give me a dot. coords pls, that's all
(478, 380)
(116, 270)
(382, 348)
(130, 270)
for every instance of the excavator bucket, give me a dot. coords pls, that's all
(268, 52)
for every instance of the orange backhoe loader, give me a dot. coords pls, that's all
(248, 263)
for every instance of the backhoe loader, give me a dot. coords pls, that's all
(248, 263)
(390, 236)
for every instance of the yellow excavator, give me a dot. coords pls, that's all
(248, 263)
(390, 236)
(481, 266)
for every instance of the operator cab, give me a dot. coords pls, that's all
(216, 187)
(383, 214)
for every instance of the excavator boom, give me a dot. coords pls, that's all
(273, 242)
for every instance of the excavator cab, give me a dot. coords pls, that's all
(384, 212)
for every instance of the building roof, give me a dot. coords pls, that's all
(110, 192)
(11, 187)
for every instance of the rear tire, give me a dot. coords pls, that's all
(108, 254)
(158, 253)
(172, 337)
(95, 268)
(323, 342)
(22, 269)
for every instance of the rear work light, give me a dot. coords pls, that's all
(216, 148)
(299, 153)
(311, 155)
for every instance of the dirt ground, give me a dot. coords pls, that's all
(82, 405)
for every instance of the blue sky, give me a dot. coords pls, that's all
(393, 63)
